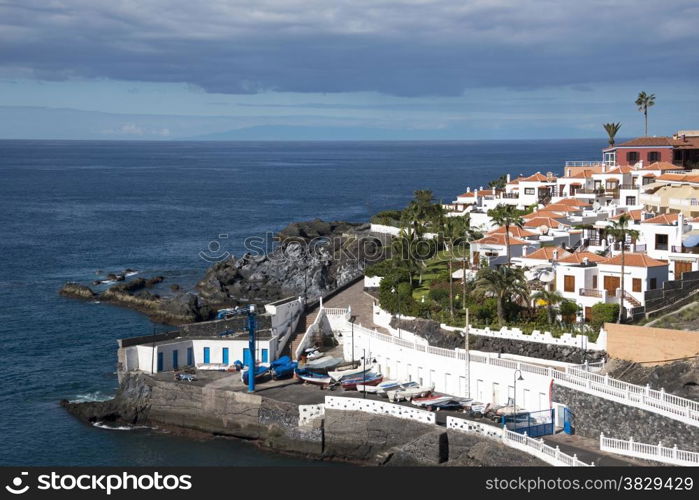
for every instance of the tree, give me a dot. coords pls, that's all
(552, 298)
(620, 230)
(403, 248)
(611, 129)
(498, 183)
(507, 216)
(645, 101)
(603, 313)
(505, 284)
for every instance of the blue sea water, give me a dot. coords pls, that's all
(71, 208)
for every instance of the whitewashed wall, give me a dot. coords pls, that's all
(379, 408)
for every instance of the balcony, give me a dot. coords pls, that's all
(682, 249)
(590, 292)
(650, 199)
(684, 202)
(576, 163)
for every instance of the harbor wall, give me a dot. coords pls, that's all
(594, 415)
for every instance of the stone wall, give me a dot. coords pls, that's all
(595, 415)
(673, 294)
(534, 349)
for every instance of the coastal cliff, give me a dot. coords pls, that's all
(311, 259)
(274, 424)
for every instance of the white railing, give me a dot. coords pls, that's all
(521, 442)
(668, 405)
(310, 331)
(655, 452)
(379, 408)
(585, 163)
(650, 199)
(643, 397)
(684, 202)
(338, 311)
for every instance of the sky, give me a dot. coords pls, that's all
(345, 69)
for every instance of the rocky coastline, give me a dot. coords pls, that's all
(311, 258)
(355, 437)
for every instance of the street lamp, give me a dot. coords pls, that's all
(514, 401)
(393, 290)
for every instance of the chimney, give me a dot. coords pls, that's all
(684, 138)
(586, 261)
(555, 254)
(468, 189)
(604, 168)
(680, 221)
(508, 178)
(525, 248)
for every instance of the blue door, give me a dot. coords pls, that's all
(568, 421)
(265, 355)
(207, 355)
(160, 361)
(175, 363)
(190, 356)
(246, 356)
(225, 355)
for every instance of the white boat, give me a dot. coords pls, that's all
(339, 374)
(409, 393)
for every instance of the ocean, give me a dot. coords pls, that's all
(69, 209)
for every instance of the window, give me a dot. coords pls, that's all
(568, 283)
(653, 284)
(632, 157)
(636, 284)
(594, 282)
(630, 200)
(648, 180)
(677, 157)
(528, 190)
(661, 241)
(610, 158)
(653, 156)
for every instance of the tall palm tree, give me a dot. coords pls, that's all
(620, 230)
(552, 298)
(404, 246)
(611, 129)
(645, 101)
(508, 216)
(505, 283)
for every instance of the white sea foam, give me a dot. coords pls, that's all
(91, 397)
(101, 425)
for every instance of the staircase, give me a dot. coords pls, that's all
(304, 322)
(628, 297)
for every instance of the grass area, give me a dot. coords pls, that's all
(684, 319)
(438, 267)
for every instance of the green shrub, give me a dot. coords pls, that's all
(603, 313)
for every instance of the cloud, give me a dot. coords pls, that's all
(403, 48)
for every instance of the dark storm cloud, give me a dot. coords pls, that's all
(404, 48)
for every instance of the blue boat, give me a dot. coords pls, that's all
(260, 372)
(313, 377)
(283, 368)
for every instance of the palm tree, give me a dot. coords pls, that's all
(645, 101)
(551, 298)
(620, 230)
(404, 246)
(505, 283)
(508, 216)
(612, 129)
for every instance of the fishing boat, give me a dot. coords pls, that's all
(429, 400)
(324, 363)
(283, 368)
(260, 372)
(409, 393)
(368, 378)
(313, 377)
(340, 374)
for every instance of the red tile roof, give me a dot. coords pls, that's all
(514, 231)
(577, 258)
(546, 253)
(634, 260)
(538, 177)
(661, 165)
(499, 239)
(634, 214)
(667, 219)
(543, 221)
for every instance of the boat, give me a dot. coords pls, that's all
(429, 400)
(409, 393)
(340, 374)
(368, 378)
(260, 372)
(324, 363)
(283, 368)
(314, 354)
(313, 377)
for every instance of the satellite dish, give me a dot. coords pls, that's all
(543, 229)
(547, 277)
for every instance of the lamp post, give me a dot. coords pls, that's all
(398, 304)
(364, 372)
(514, 400)
(352, 323)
